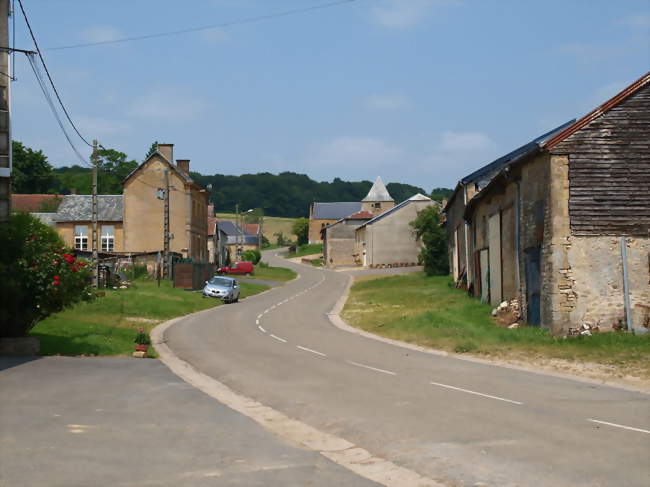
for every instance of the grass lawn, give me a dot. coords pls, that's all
(307, 249)
(428, 311)
(280, 274)
(108, 325)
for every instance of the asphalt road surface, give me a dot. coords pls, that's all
(124, 422)
(455, 421)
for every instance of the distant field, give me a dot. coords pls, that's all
(272, 224)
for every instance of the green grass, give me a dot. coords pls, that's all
(108, 325)
(307, 249)
(429, 312)
(317, 262)
(280, 274)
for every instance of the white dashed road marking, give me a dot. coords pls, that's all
(371, 368)
(619, 426)
(261, 329)
(477, 393)
(278, 338)
(310, 350)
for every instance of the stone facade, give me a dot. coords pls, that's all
(339, 241)
(144, 212)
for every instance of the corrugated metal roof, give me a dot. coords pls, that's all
(378, 192)
(335, 211)
(415, 197)
(78, 207)
(483, 175)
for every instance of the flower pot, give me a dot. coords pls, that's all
(141, 348)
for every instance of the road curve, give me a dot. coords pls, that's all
(451, 420)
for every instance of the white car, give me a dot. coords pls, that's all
(224, 288)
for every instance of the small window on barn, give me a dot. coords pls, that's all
(81, 237)
(376, 205)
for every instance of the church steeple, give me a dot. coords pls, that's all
(378, 198)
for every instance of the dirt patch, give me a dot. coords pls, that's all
(136, 319)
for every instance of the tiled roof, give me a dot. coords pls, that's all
(360, 216)
(236, 234)
(251, 228)
(378, 192)
(32, 202)
(78, 208)
(47, 218)
(335, 211)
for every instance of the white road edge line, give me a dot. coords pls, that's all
(310, 350)
(619, 426)
(371, 368)
(278, 338)
(477, 393)
(261, 329)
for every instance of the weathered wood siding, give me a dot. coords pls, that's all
(609, 171)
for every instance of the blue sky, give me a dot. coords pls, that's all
(417, 91)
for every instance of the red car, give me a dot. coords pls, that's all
(245, 268)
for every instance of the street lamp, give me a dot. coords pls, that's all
(239, 217)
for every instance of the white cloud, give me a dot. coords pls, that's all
(167, 104)
(638, 21)
(464, 142)
(353, 157)
(101, 33)
(100, 127)
(400, 14)
(214, 36)
(387, 101)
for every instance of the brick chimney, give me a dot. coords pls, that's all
(167, 150)
(183, 165)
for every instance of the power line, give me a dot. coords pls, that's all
(38, 50)
(50, 102)
(249, 20)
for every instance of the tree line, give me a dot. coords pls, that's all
(287, 194)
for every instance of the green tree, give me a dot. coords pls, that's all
(152, 148)
(31, 171)
(300, 229)
(114, 167)
(434, 251)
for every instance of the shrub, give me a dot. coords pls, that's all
(38, 276)
(434, 251)
(137, 271)
(142, 338)
(300, 229)
(253, 256)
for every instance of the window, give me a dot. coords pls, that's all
(108, 238)
(376, 205)
(81, 237)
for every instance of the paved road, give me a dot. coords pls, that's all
(80, 422)
(448, 419)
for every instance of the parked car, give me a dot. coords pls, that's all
(224, 288)
(242, 268)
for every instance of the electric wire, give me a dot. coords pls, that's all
(49, 77)
(50, 102)
(249, 20)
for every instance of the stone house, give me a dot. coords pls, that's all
(73, 222)
(235, 240)
(144, 207)
(388, 239)
(339, 240)
(454, 223)
(376, 201)
(565, 227)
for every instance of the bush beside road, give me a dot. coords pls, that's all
(428, 311)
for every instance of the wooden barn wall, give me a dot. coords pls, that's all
(609, 171)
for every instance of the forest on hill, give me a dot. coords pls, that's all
(287, 194)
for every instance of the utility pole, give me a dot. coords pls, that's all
(94, 218)
(236, 232)
(166, 262)
(5, 112)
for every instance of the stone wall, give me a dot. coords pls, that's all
(595, 273)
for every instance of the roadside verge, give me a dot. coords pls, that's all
(541, 369)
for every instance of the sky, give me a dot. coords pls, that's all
(417, 91)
